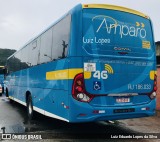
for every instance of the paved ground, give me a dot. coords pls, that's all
(13, 117)
(144, 125)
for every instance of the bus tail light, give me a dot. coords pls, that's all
(152, 95)
(155, 83)
(78, 89)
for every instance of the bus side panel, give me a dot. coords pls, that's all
(22, 94)
(23, 85)
(76, 64)
(56, 89)
(75, 53)
(49, 94)
(56, 103)
(13, 85)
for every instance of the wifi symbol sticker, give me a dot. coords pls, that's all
(109, 69)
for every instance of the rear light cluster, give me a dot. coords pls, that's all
(153, 94)
(78, 89)
(155, 83)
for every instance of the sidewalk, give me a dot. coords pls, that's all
(144, 125)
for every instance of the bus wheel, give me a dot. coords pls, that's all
(7, 92)
(10, 100)
(0, 94)
(30, 108)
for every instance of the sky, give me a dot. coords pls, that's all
(22, 20)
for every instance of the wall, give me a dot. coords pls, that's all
(158, 91)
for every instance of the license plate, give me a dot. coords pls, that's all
(124, 110)
(123, 100)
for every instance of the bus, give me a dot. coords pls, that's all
(96, 63)
(1, 80)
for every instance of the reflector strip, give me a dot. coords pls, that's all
(66, 74)
(99, 111)
(63, 74)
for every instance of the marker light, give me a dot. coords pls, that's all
(85, 5)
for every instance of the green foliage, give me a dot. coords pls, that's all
(4, 54)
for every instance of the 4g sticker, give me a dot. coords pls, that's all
(100, 74)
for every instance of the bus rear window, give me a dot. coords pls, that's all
(108, 31)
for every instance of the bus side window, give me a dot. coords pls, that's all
(15, 62)
(61, 35)
(24, 58)
(64, 49)
(46, 46)
(34, 48)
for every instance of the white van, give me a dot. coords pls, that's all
(0, 90)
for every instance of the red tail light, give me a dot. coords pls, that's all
(153, 94)
(155, 83)
(78, 89)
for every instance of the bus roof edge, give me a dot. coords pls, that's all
(113, 7)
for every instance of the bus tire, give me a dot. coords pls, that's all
(7, 92)
(29, 107)
(10, 100)
(2, 90)
(0, 94)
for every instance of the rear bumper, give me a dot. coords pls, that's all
(83, 112)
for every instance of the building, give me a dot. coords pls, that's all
(158, 48)
(158, 52)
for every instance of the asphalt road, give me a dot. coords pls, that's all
(13, 117)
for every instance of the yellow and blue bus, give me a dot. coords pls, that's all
(96, 63)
